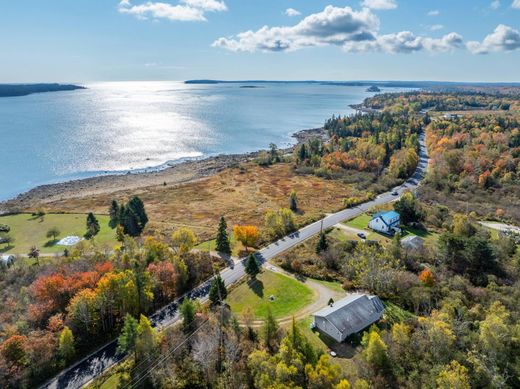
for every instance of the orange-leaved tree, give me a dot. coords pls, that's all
(426, 277)
(247, 235)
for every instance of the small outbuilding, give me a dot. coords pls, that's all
(386, 222)
(349, 316)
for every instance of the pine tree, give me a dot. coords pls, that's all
(66, 344)
(302, 154)
(188, 314)
(270, 332)
(293, 201)
(137, 206)
(130, 222)
(113, 211)
(217, 291)
(223, 245)
(127, 339)
(251, 266)
(322, 245)
(92, 226)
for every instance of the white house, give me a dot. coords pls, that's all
(386, 222)
(348, 316)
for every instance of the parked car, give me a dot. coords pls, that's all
(361, 235)
(395, 193)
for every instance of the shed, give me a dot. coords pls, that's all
(349, 315)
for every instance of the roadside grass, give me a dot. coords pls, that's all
(236, 247)
(29, 231)
(290, 296)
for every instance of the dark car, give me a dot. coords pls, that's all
(394, 193)
(361, 235)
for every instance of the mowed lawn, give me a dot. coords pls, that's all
(29, 231)
(290, 296)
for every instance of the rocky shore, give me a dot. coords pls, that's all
(176, 174)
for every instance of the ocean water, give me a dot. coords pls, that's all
(116, 127)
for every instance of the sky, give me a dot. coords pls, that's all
(112, 40)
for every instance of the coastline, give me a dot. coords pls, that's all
(167, 174)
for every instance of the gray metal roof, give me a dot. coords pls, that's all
(412, 241)
(353, 313)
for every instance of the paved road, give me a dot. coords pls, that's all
(92, 366)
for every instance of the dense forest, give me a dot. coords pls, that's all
(9, 90)
(415, 102)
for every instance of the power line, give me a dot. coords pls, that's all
(161, 360)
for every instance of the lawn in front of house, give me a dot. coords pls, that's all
(360, 222)
(28, 231)
(290, 295)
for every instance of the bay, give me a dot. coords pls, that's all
(121, 126)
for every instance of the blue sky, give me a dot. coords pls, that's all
(103, 40)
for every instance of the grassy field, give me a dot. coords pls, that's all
(243, 195)
(289, 295)
(28, 231)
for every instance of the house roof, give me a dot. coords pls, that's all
(353, 313)
(388, 217)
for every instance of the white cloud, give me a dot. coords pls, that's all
(516, 4)
(292, 12)
(434, 12)
(186, 10)
(495, 4)
(504, 38)
(379, 4)
(406, 42)
(354, 31)
(436, 27)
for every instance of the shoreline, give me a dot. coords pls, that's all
(168, 174)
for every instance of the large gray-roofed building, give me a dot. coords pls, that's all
(349, 315)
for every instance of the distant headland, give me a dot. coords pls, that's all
(11, 90)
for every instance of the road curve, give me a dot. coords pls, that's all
(84, 371)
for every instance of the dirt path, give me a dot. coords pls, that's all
(322, 295)
(350, 229)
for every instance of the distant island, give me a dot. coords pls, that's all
(11, 90)
(251, 86)
(373, 88)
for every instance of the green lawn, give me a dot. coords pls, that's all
(290, 296)
(29, 231)
(333, 285)
(236, 246)
(360, 222)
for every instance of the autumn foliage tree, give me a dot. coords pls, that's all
(247, 235)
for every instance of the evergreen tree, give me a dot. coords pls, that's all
(293, 201)
(127, 339)
(251, 266)
(92, 226)
(322, 245)
(188, 314)
(270, 332)
(302, 154)
(223, 245)
(130, 222)
(217, 291)
(66, 344)
(137, 206)
(114, 213)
